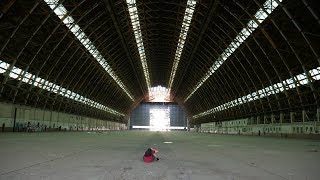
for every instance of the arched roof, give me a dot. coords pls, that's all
(273, 69)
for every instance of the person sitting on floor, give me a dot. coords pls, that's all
(150, 155)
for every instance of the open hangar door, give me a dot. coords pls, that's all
(158, 116)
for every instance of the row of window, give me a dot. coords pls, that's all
(306, 129)
(252, 25)
(235, 122)
(26, 77)
(62, 13)
(297, 129)
(191, 4)
(274, 129)
(287, 84)
(133, 11)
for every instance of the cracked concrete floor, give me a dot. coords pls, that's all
(116, 155)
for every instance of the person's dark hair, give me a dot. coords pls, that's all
(148, 152)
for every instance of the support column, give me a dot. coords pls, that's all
(304, 119)
(81, 123)
(281, 117)
(3, 127)
(188, 125)
(14, 119)
(272, 118)
(304, 116)
(128, 125)
(291, 117)
(258, 120)
(58, 122)
(318, 115)
(264, 119)
(50, 120)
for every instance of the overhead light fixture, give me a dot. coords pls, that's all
(62, 13)
(252, 25)
(133, 12)
(191, 4)
(26, 77)
(287, 84)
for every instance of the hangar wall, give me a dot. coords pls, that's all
(141, 115)
(297, 126)
(25, 118)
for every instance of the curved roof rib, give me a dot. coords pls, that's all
(134, 16)
(191, 4)
(252, 25)
(62, 13)
(299, 80)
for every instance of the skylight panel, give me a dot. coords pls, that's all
(287, 84)
(159, 94)
(252, 25)
(191, 4)
(26, 77)
(62, 13)
(133, 12)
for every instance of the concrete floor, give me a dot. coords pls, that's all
(191, 156)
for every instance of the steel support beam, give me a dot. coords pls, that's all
(272, 118)
(5, 5)
(304, 116)
(292, 117)
(116, 23)
(204, 27)
(281, 117)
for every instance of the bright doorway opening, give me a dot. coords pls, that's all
(159, 119)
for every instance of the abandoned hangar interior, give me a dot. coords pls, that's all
(240, 67)
(218, 61)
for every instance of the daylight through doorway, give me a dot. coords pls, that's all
(159, 119)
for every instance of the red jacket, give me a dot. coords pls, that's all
(149, 159)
